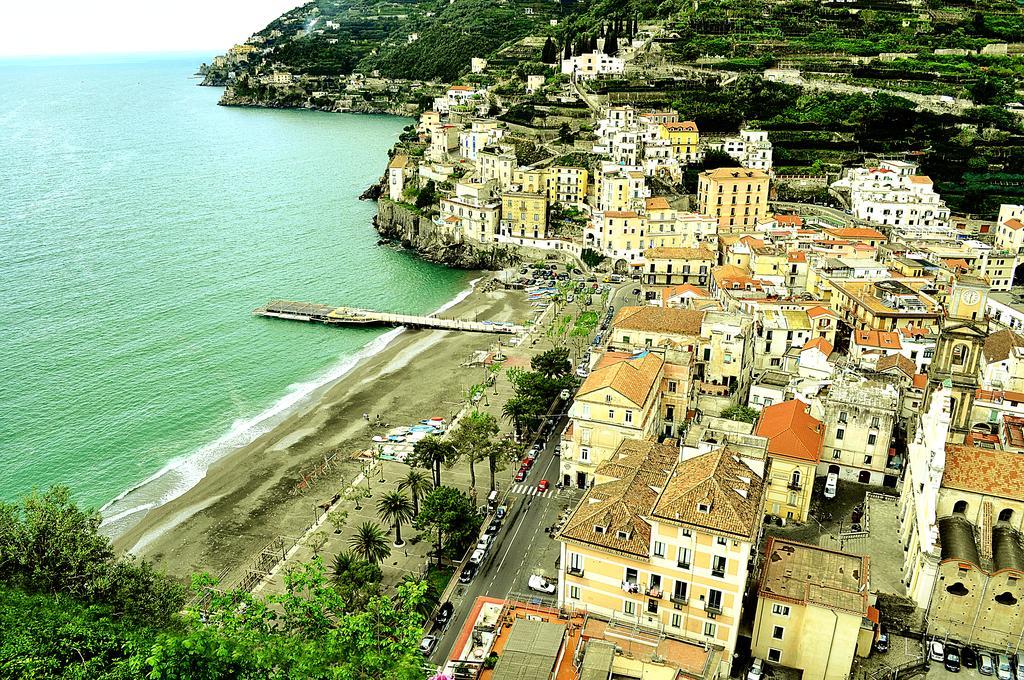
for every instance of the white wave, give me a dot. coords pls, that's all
(180, 474)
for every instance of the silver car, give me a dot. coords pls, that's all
(986, 665)
(1004, 671)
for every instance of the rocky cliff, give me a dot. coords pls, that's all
(399, 224)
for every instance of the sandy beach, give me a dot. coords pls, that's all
(247, 498)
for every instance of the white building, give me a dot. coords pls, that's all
(591, 65)
(752, 149)
(892, 194)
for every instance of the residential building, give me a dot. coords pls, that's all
(751, 148)
(893, 194)
(496, 164)
(620, 188)
(1009, 233)
(736, 197)
(619, 400)
(524, 215)
(674, 266)
(813, 610)
(1002, 361)
(861, 414)
(481, 134)
(795, 439)
(618, 235)
(592, 65)
(398, 171)
(476, 210)
(884, 305)
(665, 543)
(683, 139)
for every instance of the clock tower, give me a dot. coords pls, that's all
(957, 360)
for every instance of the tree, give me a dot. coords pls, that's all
(554, 363)
(432, 452)
(549, 55)
(567, 52)
(499, 453)
(471, 439)
(317, 542)
(427, 195)
(565, 135)
(743, 414)
(395, 509)
(715, 158)
(611, 44)
(369, 543)
(449, 512)
(356, 579)
(417, 484)
(520, 410)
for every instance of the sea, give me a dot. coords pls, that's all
(140, 225)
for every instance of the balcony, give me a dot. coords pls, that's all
(713, 607)
(654, 591)
(680, 599)
(794, 486)
(718, 573)
(682, 565)
(630, 587)
(575, 571)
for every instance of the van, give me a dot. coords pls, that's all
(831, 484)
(492, 501)
(756, 671)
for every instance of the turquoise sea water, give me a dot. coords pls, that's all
(140, 224)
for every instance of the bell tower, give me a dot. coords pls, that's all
(957, 360)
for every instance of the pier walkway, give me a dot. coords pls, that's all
(352, 316)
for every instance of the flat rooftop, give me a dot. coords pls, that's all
(531, 650)
(810, 575)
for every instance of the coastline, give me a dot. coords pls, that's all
(247, 497)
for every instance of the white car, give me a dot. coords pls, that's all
(937, 651)
(484, 543)
(427, 645)
(831, 485)
(541, 584)
(478, 556)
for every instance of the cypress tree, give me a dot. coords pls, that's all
(550, 53)
(611, 44)
(568, 48)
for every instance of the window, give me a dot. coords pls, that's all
(778, 632)
(631, 575)
(625, 339)
(836, 454)
(840, 433)
(718, 566)
(611, 414)
(703, 507)
(714, 602)
(624, 535)
(679, 592)
(867, 460)
(677, 620)
(598, 529)
(629, 416)
(874, 422)
(584, 455)
(872, 438)
(842, 417)
(684, 532)
(672, 385)
(659, 549)
(684, 558)
(780, 609)
(709, 629)
(629, 608)
(721, 541)
(576, 562)
(774, 655)
(574, 592)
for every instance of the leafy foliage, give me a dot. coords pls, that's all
(743, 414)
(451, 514)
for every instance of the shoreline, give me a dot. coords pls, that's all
(247, 497)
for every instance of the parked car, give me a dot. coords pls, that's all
(756, 671)
(484, 542)
(500, 513)
(1004, 670)
(493, 527)
(527, 463)
(542, 486)
(581, 371)
(831, 485)
(478, 556)
(936, 651)
(986, 664)
(468, 572)
(427, 644)
(521, 475)
(968, 657)
(1018, 661)
(882, 643)
(952, 660)
(444, 615)
(541, 584)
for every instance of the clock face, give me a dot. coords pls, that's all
(970, 297)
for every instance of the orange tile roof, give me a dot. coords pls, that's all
(796, 256)
(632, 378)
(1014, 224)
(791, 431)
(820, 343)
(897, 362)
(789, 220)
(913, 331)
(920, 380)
(460, 88)
(817, 310)
(730, 492)
(920, 179)
(620, 213)
(685, 125)
(735, 173)
(657, 203)
(880, 339)
(986, 471)
(856, 232)
(659, 320)
(685, 288)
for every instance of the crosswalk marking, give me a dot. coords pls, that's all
(530, 490)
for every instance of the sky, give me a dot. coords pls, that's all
(70, 27)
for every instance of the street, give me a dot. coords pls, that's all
(521, 547)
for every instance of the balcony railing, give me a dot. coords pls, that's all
(680, 599)
(575, 571)
(718, 573)
(795, 486)
(654, 591)
(682, 565)
(713, 608)
(630, 587)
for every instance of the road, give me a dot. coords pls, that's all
(521, 547)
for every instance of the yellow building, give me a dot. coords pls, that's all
(618, 235)
(524, 215)
(812, 610)
(884, 305)
(618, 400)
(684, 138)
(794, 451)
(665, 543)
(736, 197)
(568, 184)
(674, 266)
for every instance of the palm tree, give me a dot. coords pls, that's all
(431, 452)
(370, 543)
(418, 486)
(517, 409)
(395, 509)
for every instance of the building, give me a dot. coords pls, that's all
(398, 171)
(751, 148)
(524, 215)
(676, 266)
(620, 188)
(619, 400)
(683, 140)
(812, 610)
(592, 65)
(481, 134)
(496, 164)
(861, 414)
(618, 235)
(665, 543)
(476, 210)
(893, 194)
(884, 305)
(736, 197)
(795, 439)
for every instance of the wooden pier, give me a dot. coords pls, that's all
(352, 316)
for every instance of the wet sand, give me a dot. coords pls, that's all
(247, 498)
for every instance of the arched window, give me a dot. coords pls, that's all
(795, 478)
(960, 506)
(959, 355)
(1006, 598)
(958, 589)
(1006, 514)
